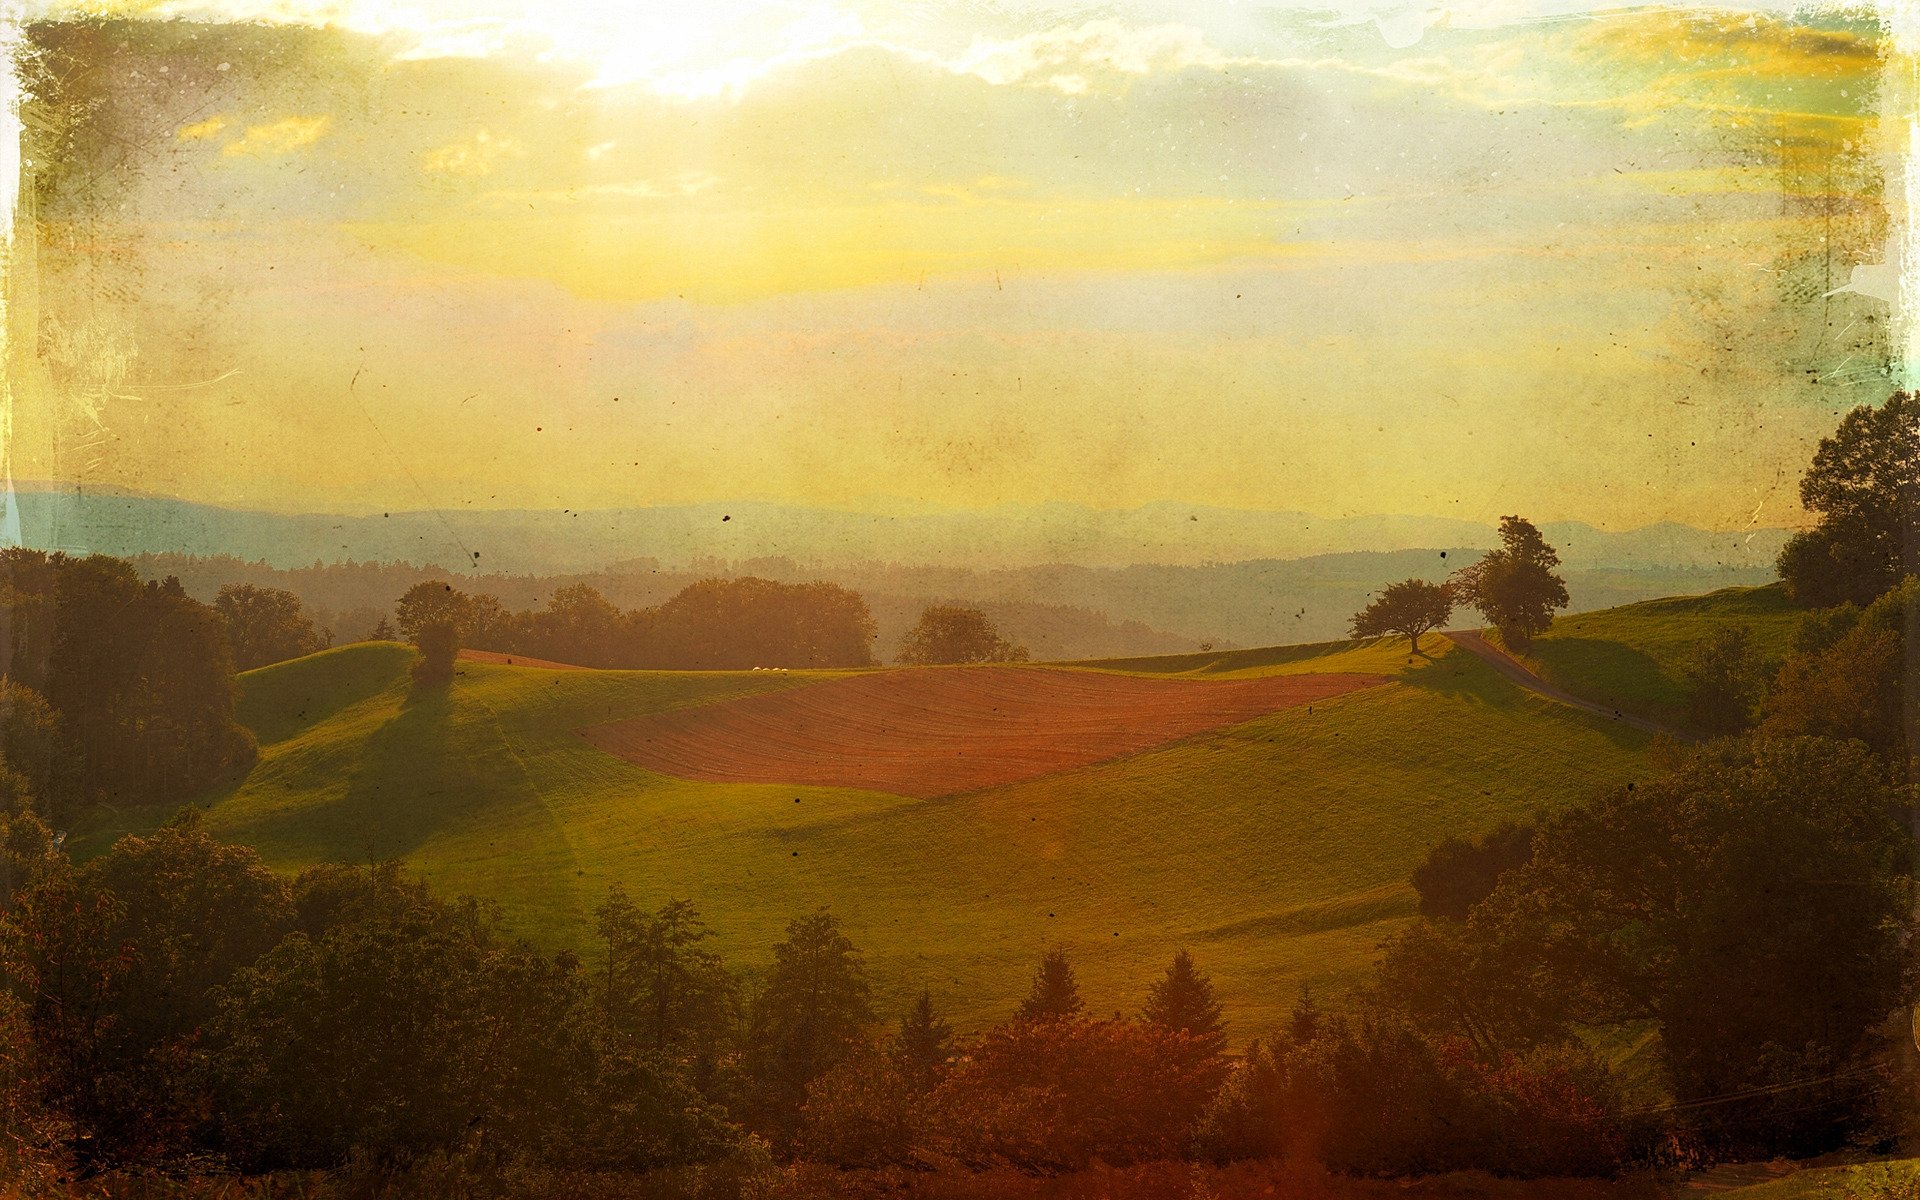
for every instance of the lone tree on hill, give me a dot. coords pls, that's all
(957, 635)
(1865, 484)
(1055, 995)
(439, 644)
(1515, 587)
(1183, 1000)
(430, 601)
(1412, 607)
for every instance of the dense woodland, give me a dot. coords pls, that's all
(174, 1006)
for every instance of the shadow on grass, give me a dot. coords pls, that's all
(283, 701)
(1467, 678)
(1462, 675)
(406, 784)
(1612, 674)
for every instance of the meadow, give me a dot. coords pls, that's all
(1634, 657)
(1277, 850)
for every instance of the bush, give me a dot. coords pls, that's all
(1056, 1095)
(864, 1113)
(1459, 873)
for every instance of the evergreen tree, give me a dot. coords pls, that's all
(1303, 1024)
(924, 1044)
(1183, 1000)
(1055, 995)
(812, 1014)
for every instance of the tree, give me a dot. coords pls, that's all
(665, 986)
(1055, 1095)
(1412, 607)
(1753, 903)
(579, 626)
(1055, 995)
(29, 736)
(1183, 1000)
(1459, 873)
(408, 1027)
(122, 956)
(439, 645)
(737, 624)
(1852, 678)
(924, 1044)
(383, 631)
(1865, 484)
(430, 602)
(810, 1016)
(1515, 587)
(265, 625)
(140, 680)
(1724, 683)
(956, 635)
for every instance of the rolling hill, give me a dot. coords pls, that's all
(1277, 849)
(1634, 657)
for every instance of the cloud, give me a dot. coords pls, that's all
(202, 130)
(682, 183)
(472, 157)
(1064, 58)
(279, 138)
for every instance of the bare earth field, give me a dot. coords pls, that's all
(938, 731)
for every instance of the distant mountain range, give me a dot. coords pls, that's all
(549, 542)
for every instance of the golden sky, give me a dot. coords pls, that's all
(362, 255)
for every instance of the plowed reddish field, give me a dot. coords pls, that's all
(938, 731)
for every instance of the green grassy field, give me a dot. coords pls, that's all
(1898, 1179)
(1278, 850)
(1634, 657)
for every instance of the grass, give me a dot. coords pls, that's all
(1897, 1179)
(1278, 850)
(1377, 656)
(1634, 658)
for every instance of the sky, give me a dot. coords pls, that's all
(1460, 261)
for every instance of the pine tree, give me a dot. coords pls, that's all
(1183, 1000)
(1304, 1023)
(924, 1044)
(1055, 995)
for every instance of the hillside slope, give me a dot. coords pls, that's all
(1634, 657)
(1277, 850)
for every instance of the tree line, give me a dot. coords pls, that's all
(714, 624)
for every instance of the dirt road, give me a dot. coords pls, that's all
(1471, 641)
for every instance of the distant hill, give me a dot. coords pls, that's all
(114, 521)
